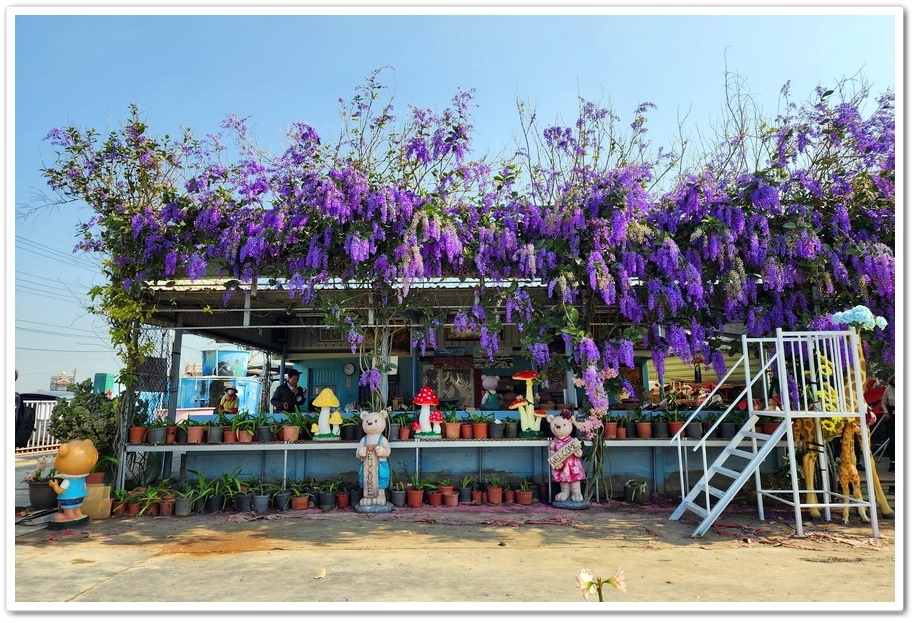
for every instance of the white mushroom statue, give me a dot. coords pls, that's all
(335, 421)
(425, 399)
(325, 401)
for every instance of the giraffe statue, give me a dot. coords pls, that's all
(805, 439)
(847, 473)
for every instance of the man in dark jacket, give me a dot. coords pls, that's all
(289, 395)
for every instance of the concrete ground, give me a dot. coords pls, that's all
(513, 558)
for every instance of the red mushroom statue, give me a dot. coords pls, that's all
(425, 399)
(528, 376)
(435, 418)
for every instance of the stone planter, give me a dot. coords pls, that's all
(398, 498)
(659, 430)
(215, 434)
(281, 499)
(495, 431)
(242, 502)
(263, 433)
(183, 506)
(41, 496)
(156, 435)
(695, 430)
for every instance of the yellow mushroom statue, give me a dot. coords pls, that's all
(525, 418)
(325, 401)
(335, 421)
(425, 399)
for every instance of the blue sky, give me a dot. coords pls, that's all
(194, 70)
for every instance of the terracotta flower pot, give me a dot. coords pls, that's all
(196, 434)
(476, 497)
(299, 502)
(435, 498)
(404, 433)
(524, 497)
(644, 430)
(450, 498)
(451, 430)
(610, 430)
(467, 431)
(480, 430)
(414, 498)
(495, 495)
(621, 432)
(136, 434)
(289, 433)
(244, 436)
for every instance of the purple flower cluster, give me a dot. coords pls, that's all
(391, 205)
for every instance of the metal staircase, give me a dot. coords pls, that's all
(804, 366)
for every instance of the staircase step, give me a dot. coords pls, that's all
(742, 453)
(726, 471)
(696, 509)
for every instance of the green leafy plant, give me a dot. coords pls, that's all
(636, 488)
(467, 481)
(398, 485)
(88, 415)
(418, 482)
(493, 481)
(160, 421)
(524, 485)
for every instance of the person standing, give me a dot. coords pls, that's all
(888, 405)
(288, 396)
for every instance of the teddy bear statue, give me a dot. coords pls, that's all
(75, 459)
(375, 474)
(489, 400)
(565, 460)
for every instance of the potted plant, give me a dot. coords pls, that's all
(41, 495)
(635, 491)
(181, 430)
(480, 423)
(451, 427)
(184, 499)
(465, 488)
(398, 493)
(121, 497)
(524, 494)
(445, 485)
(494, 490)
(510, 429)
(157, 429)
(243, 425)
(301, 494)
(103, 470)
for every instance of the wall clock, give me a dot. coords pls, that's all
(349, 369)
